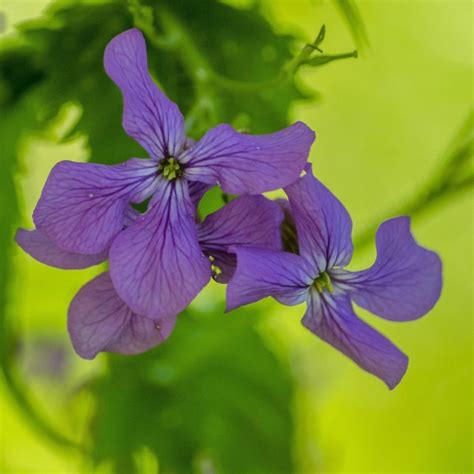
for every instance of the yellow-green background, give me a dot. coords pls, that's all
(382, 126)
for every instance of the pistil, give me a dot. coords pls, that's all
(171, 169)
(323, 281)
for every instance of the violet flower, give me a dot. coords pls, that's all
(403, 284)
(100, 320)
(156, 265)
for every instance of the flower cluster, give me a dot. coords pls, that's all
(159, 260)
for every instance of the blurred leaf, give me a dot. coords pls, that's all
(68, 47)
(15, 123)
(17, 119)
(213, 394)
(239, 44)
(71, 53)
(201, 395)
(19, 72)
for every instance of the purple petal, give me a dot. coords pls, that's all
(223, 265)
(149, 116)
(247, 220)
(253, 164)
(130, 216)
(323, 224)
(289, 234)
(197, 191)
(333, 320)
(263, 272)
(99, 320)
(157, 265)
(141, 334)
(82, 205)
(34, 243)
(405, 281)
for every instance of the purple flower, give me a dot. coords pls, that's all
(403, 284)
(100, 320)
(156, 265)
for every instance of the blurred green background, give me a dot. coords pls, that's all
(251, 391)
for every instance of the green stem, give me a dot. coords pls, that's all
(451, 179)
(286, 73)
(176, 37)
(195, 63)
(413, 208)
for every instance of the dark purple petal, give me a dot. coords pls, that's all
(289, 234)
(262, 272)
(223, 265)
(249, 164)
(82, 205)
(247, 220)
(333, 320)
(405, 281)
(323, 224)
(34, 243)
(99, 320)
(149, 116)
(157, 265)
(197, 191)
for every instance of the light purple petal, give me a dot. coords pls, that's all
(141, 334)
(149, 116)
(157, 265)
(323, 224)
(34, 243)
(82, 205)
(405, 281)
(262, 272)
(247, 220)
(333, 320)
(249, 164)
(99, 320)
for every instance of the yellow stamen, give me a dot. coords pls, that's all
(171, 169)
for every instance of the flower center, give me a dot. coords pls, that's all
(323, 281)
(171, 169)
